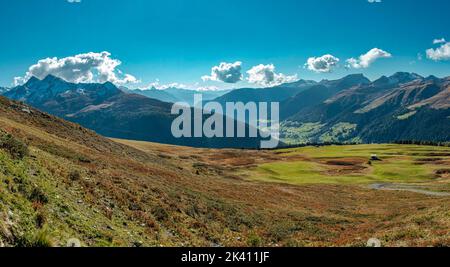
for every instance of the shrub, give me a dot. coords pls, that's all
(40, 239)
(41, 219)
(254, 240)
(160, 213)
(74, 175)
(281, 231)
(84, 159)
(38, 195)
(16, 148)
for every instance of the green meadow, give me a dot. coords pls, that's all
(353, 165)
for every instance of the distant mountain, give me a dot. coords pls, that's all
(3, 90)
(173, 95)
(60, 98)
(403, 106)
(187, 96)
(318, 93)
(112, 112)
(160, 95)
(273, 94)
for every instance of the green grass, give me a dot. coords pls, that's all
(403, 171)
(339, 132)
(296, 133)
(22, 185)
(398, 165)
(407, 115)
(303, 133)
(383, 150)
(300, 173)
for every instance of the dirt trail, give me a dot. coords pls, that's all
(409, 188)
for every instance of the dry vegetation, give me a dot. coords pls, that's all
(72, 183)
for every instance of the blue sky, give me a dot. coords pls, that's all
(179, 41)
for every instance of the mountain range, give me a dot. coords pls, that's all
(112, 112)
(174, 95)
(272, 94)
(403, 106)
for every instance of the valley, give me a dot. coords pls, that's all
(352, 109)
(220, 132)
(73, 183)
(330, 177)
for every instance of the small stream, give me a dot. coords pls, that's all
(409, 188)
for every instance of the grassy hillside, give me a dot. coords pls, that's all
(403, 106)
(330, 193)
(59, 181)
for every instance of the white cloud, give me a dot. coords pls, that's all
(440, 53)
(19, 80)
(74, 1)
(265, 75)
(226, 72)
(439, 41)
(374, 1)
(83, 68)
(208, 88)
(322, 64)
(364, 61)
(158, 86)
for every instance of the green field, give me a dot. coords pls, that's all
(353, 165)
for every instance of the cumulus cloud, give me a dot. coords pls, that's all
(226, 72)
(74, 1)
(439, 41)
(208, 88)
(322, 64)
(440, 53)
(159, 86)
(83, 68)
(364, 61)
(265, 75)
(164, 86)
(374, 1)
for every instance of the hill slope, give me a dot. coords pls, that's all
(160, 95)
(274, 94)
(74, 183)
(404, 106)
